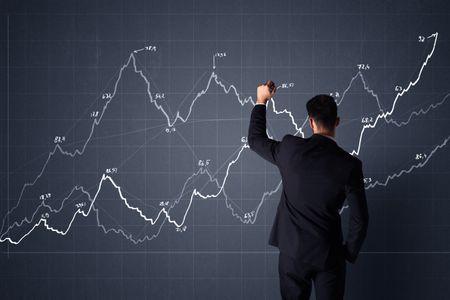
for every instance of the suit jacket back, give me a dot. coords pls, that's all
(318, 176)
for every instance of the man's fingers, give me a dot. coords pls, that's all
(271, 86)
(274, 89)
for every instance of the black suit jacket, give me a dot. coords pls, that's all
(318, 176)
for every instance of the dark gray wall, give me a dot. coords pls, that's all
(71, 229)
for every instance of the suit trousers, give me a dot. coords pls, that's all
(296, 279)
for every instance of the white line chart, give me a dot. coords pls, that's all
(163, 215)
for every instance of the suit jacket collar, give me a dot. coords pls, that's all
(323, 137)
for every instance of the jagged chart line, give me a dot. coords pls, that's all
(419, 112)
(236, 93)
(165, 211)
(159, 107)
(418, 165)
(397, 96)
(338, 102)
(291, 115)
(162, 211)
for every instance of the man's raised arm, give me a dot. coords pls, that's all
(257, 136)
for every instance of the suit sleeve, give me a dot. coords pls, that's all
(257, 137)
(358, 215)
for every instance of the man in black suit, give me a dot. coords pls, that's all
(318, 176)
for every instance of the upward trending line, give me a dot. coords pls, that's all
(231, 88)
(397, 96)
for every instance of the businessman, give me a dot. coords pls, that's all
(318, 176)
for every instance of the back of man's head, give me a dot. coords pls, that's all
(323, 109)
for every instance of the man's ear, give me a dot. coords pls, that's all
(311, 123)
(337, 121)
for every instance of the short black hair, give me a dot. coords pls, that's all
(323, 109)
